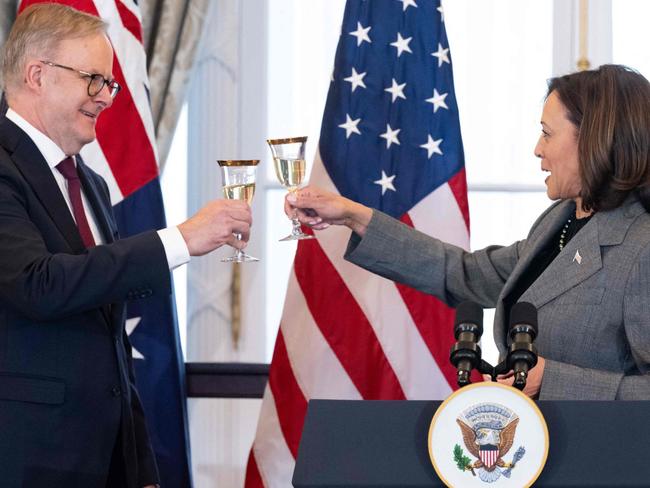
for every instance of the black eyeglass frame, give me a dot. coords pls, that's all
(113, 86)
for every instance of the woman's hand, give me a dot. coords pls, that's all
(533, 382)
(319, 209)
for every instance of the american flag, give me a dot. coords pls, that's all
(124, 153)
(390, 139)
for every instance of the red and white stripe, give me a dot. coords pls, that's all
(349, 334)
(489, 457)
(125, 150)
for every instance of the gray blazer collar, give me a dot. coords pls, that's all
(579, 260)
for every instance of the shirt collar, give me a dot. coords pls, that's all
(52, 153)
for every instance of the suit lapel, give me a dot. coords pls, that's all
(92, 193)
(102, 217)
(582, 256)
(37, 173)
(579, 260)
(543, 233)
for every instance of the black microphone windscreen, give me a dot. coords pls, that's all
(469, 313)
(523, 313)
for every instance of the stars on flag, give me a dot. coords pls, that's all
(432, 146)
(438, 100)
(356, 79)
(413, 71)
(402, 44)
(396, 90)
(442, 54)
(350, 126)
(130, 326)
(361, 34)
(442, 13)
(407, 3)
(386, 182)
(391, 136)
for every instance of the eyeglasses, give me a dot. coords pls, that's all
(96, 82)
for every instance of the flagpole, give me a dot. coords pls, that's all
(583, 61)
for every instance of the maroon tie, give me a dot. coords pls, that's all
(69, 171)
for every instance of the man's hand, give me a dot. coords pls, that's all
(533, 382)
(320, 209)
(215, 225)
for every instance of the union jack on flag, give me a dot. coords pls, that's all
(390, 139)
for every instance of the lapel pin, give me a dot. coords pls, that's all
(577, 257)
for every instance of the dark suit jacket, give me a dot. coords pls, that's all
(66, 378)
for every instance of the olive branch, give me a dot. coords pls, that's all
(463, 462)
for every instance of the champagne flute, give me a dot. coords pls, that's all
(238, 177)
(289, 164)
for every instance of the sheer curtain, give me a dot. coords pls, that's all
(172, 30)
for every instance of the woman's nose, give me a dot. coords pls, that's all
(538, 149)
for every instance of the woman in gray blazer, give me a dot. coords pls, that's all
(585, 263)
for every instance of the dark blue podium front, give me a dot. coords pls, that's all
(384, 444)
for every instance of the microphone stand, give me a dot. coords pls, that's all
(465, 354)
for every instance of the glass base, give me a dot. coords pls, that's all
(297, 237)
(240, 258)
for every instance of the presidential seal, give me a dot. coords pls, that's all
(488, 431)
(488, 435)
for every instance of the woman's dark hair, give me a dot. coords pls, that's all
(610, 107)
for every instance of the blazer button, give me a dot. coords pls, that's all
(116, 391)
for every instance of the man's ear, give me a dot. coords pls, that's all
(33, 75)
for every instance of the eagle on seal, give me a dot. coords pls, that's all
(489, 445)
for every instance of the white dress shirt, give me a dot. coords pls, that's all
(175, 248)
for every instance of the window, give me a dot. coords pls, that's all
(630, 37)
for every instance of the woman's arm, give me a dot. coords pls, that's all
(319, 209)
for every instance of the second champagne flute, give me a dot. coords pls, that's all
(290, 168)
(239, 184)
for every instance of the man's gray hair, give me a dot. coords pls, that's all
(37, 32)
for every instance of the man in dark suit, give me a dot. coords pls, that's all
(69, 411)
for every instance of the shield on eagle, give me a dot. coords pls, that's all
(489, 454)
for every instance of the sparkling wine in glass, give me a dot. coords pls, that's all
(290, 168)
(239, 184)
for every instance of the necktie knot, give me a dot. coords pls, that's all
(68, 169)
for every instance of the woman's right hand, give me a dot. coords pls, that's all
(319, 209)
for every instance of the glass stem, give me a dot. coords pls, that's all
(239, 252)
(297, 230)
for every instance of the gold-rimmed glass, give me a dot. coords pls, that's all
(290, 168)
(238, 183)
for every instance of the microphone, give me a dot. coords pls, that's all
(522, 354)
(465, 354)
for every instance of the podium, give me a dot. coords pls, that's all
(384, 444)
